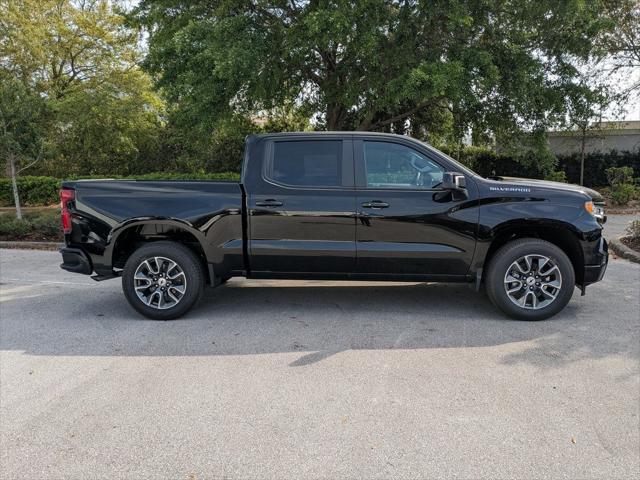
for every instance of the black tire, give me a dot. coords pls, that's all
(500, 265)
(190, 266)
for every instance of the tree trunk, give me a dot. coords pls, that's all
(335, 117)
(14, 184)
(582, 149)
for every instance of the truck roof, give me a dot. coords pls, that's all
(333, 133)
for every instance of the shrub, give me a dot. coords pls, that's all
(595, 166)
(619, 176)
(633, 229)
(558, 176)
(10, 226)
(41, 225)
(33, 190)
(47, 224)
(622, 188)
(623, 193)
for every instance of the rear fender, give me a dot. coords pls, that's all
(161, 225)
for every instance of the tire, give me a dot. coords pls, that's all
(532, 290)
(153, 265)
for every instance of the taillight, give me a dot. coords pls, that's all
(66, 196)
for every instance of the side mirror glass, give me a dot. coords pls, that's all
(453, 181)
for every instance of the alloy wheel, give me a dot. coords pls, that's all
(160, 282)
(533, 281)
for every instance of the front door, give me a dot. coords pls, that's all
(407, 225)
(302, 210)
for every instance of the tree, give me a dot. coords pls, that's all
(23, 122)
(372, 64)
(81, 58)
(585, 115)
(619, 48)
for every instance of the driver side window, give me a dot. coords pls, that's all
(391, 165)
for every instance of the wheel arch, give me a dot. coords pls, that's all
(559, 233)
(128, 236)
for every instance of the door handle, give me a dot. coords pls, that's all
(375, 204)
(269, 203)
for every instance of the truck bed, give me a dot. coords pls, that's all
(191, 201)
(111, 217)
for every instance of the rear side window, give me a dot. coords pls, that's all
(307, 163)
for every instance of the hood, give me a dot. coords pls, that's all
(595, 196)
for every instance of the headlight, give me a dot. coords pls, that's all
(595, 210)
(598, 211)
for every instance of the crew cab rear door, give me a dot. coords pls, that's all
(301, 206)
(407, 225)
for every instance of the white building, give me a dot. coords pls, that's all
(606, 136)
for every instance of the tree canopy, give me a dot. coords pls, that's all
(373, 64)
(130, 87)
(81, 59)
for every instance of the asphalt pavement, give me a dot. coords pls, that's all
(301, 379)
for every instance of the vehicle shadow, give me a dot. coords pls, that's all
(314, 319)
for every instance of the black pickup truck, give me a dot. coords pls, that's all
(347, 206)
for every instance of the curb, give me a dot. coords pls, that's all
(55, 246)
(623, 251)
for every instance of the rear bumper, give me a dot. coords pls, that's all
(594, 273)
(76, 261)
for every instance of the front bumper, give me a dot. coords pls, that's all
(76, 261)
(594, 273)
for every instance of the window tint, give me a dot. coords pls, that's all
(307, 163)
(390, 165)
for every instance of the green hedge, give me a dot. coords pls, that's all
(596, 165)
(33, 191)
(486, 163)
(36, 191)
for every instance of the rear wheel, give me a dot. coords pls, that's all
(163, 280)
(530, 279)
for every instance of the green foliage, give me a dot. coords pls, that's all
(74, 96)
(80, 60)
(633, 229)
(24, 120)
(619, 175)
(622, 188)
(226, 147)
(46, 223)
(38, 225)
(596, 165)
(531, 164)
(11, 227)
(557, 176)
(33, 191)
(372, 64)
(37, 191)
(623, 193)
(486, 162)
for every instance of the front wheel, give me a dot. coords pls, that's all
(530, 279)
(163, 280)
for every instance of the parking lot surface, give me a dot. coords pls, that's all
(300, 379)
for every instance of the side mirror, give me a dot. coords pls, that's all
(453, 181)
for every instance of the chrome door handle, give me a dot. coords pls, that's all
(269, 203)
(375, 204)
